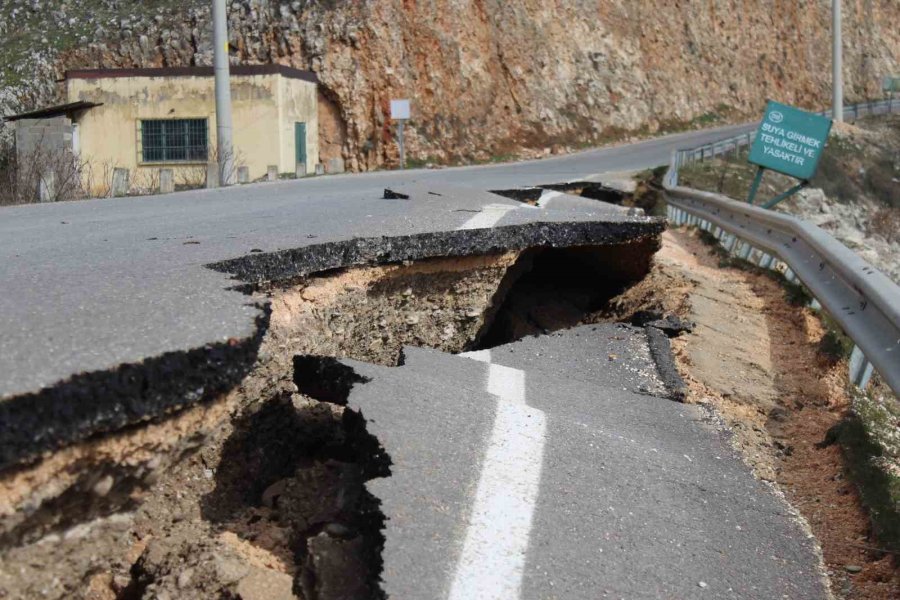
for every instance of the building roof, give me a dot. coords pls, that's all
(237, 70)
(54, 111)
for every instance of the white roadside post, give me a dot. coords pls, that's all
(224, 145)
(837, 63)
(400, 113)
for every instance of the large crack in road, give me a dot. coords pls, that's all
(248, 480)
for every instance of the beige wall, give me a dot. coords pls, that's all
(264, 110)
(299, 103)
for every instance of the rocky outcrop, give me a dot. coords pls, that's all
(490, 78)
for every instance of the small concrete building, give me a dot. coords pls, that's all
(146, 119)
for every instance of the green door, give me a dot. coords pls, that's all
(300, 142)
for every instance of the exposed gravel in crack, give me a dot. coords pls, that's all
(258, 492)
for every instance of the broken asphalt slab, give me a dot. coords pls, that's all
(580, 489)
(112, 331)
(104, 299)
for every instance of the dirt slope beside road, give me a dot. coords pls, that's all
(754, 359)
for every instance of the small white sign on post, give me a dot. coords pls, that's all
(400, 113)
(399, 110)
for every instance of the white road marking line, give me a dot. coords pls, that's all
(546, 197)
(479, 355)
(493, 557)
(488, 217)
(507, 384)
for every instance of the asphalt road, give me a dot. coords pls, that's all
(552, 468)
(93, 284)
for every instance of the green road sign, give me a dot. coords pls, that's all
(891, 84)
(790, 141)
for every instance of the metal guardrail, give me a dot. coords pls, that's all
(863, 301)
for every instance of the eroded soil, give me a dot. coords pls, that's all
(753, 357)
(260, 494)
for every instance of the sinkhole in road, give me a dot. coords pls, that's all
(291, 481)
(557, 288)
(262, 494)
(300, 461)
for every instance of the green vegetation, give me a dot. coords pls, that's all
(502, 158)
(870, 438)
(732, 176)
(834, 345)
(47, 28)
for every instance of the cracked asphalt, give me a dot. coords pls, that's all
(612, 489)
(522, 473)
(94, 284)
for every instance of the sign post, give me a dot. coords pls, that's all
(891, 85)
(789, 141)
(400, 113)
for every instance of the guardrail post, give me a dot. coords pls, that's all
(732, 241)
(860, 368)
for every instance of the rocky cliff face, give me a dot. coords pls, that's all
(492, 78)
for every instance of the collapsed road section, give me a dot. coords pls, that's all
(219, 469)
(551, 468)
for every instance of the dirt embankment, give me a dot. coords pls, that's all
(754, 360)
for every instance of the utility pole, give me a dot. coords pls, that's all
(837, 62)
(224, 145)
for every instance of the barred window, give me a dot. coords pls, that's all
(174, 140)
